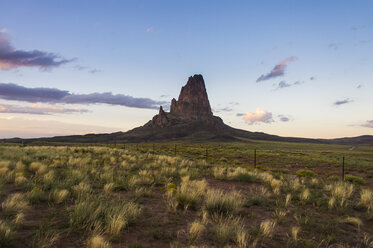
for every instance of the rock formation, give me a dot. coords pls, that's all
(192, 106)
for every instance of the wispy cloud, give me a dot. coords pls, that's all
(226, 109)
(260, 115)
(359, 86)
(312, 78)
(86, 68)
(341, 102)
(284, 84)
(284, 118)
(240, 114)
(333, 46)
(16, 92)
(368, 124)
(278, 70)
(37, 109)
(149, 30)
(11, 58)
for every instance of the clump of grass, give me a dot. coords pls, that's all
(19, 218)
(355, 179)
(60, 196)
(305, 195)
(6, 234)
(295, 233)
(97, 241)
(14, 203)
(305, 173)
(366, 199)
(242, 175)
(217, 202)
(109, 187)
(279, 215)
(20, 180)
(354, 221)
(340, 193)
(226, 230)
(287, 200)
(219, 172)
(195, 230)
(36, 195)
(190, 193)
(82, 189)
(266, 228)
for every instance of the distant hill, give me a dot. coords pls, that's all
(191, 120)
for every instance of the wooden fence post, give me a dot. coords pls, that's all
(175, 149)
(255, 158)
(343, 168)
(206, 154)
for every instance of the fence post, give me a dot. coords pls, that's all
(343, 168)
(254, 158)
(175, 149)
(153, 149)
(137, 147)
(206, 154)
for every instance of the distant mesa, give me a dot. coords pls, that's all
(190, 120)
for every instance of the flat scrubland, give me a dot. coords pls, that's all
(91, 196)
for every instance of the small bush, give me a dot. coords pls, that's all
(217, 202)
(305, 173)
(190, 193)
(355, 179)
(6, 234)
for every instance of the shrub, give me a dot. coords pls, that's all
(14, 203)
(366, 198)
(266, 228)
(6, 234)
(196, 229)
(355, 179)
(226, 230)
(305, 173)
(190, 193)
(97, 241)
(217, 202)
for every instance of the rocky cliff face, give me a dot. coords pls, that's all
(192, 106)
(193, 102)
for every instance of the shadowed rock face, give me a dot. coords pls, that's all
(193, 102)
(192, 106)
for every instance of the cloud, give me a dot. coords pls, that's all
(260, 115)
(278, 70)
(16, 92)
(149, 30)
(333, 46)
(240, 114)
(368, 124)
(29, 128)
(11, 58)
(312, 78)
(37, 109)
(284, 84)
(226, 109)
(83, 68)
(284, 118)
(359, 86)
(341, 102)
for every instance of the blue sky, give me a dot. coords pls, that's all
(147, 49)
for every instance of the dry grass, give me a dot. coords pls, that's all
(97, 241)
(14, 203)
(266, 228)
(218, 202)
(190, 193)
(195, 230)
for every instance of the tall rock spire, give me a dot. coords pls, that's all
(193, 102)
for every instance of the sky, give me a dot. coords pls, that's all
(289, 68)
